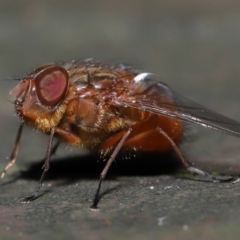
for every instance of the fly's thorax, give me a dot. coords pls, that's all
(96, 115)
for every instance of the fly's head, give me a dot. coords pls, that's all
(40, 97)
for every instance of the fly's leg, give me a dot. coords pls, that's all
(106, 168)
(45, 169)
(188, 166)
(12, 158)
(55, 147)
(67, 136)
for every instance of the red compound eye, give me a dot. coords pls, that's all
(51, 85)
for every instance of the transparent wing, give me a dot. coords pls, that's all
(157, 98)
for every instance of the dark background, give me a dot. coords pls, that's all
(194, 46)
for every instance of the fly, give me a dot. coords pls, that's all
(108, 108)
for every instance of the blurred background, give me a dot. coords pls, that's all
(193, 45)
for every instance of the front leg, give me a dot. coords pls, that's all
(68, 137)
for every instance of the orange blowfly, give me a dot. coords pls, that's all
(108, 108)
